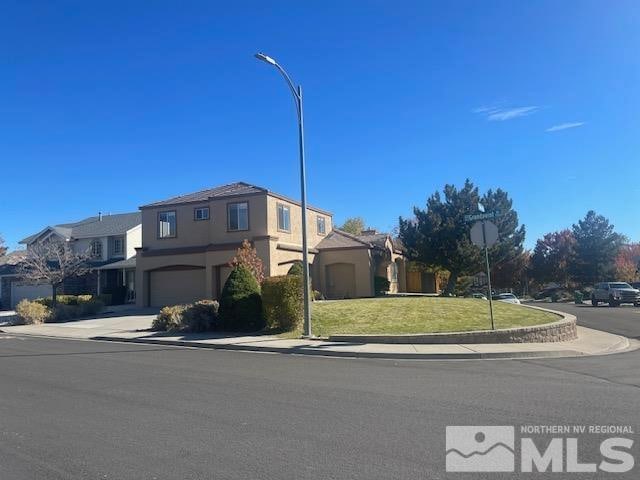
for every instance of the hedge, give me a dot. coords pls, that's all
(282, 302)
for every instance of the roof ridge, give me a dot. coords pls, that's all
(351, 236)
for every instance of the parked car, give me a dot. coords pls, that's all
(481, 296)
(635, 285)
(615, 293)
(507, 298)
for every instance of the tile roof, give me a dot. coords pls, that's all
(224, 191)
(339, 239)
(116, 224)
(229, 190)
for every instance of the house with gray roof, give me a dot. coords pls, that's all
(189, 240)
(111, 240)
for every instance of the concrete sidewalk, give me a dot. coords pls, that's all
(134, 327)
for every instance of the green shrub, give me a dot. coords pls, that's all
(201, 316)
(381, 285)
(282, 302)
(32, 312)
(240, 302)
(296, 269)
(169, 319)
(65, 300)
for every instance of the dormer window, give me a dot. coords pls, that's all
(96, 249)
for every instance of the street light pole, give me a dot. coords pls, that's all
(297, 96)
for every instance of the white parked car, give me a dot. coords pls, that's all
(507, 298)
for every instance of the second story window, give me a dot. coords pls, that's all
(284, 218)
(96, 249)
(118, 246)
(321, 225)
(201, 213)
(167, 224)
(238, 216)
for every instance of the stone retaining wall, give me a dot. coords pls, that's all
(560, 331)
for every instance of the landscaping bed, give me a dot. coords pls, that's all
(415, 315)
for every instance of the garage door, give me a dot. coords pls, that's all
(21, 290)
(175, 287)
(341, 280)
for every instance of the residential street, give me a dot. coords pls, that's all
(84, 409)
(622, 320)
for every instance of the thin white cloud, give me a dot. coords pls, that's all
(500, 114)
(564, 126)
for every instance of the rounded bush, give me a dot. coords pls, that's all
(169, 319)
(296, 269)
(282, 302)
(202, 316)
(32, 312)
(240, 302)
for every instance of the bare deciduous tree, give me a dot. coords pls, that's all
(53, 263)
(3, 248)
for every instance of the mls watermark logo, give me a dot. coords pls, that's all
(541, 448)
(480, 449)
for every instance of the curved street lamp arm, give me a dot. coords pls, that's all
(295, 93)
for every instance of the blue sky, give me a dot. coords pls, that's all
(106, 106)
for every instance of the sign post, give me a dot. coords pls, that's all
(484, 234)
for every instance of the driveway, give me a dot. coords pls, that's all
(623, 320)
(106, 324)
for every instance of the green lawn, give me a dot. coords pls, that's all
(401, 315)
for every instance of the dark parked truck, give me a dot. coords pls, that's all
(615, 293)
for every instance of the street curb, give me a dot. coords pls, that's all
(319, 353)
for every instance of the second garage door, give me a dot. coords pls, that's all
(175, 287)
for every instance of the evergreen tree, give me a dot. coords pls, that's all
(439, 235)
(597, 245)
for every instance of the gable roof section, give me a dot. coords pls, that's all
(339, 239)
(109, 225)
(117, 224)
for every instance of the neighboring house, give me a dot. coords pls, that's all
(189, 240)
(112, 241)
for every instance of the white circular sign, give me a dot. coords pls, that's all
(480, 235)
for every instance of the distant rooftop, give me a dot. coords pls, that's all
(98, 226)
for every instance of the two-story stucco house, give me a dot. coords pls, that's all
(189, 240)
(110, 239)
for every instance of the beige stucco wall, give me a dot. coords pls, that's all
(207, 259)
(190, 232)
(360, 257)
(294, 236)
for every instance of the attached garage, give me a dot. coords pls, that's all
(175, 286)
(341, 280)
(21, 291)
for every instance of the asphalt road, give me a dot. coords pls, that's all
(82, 409)
(622, 320)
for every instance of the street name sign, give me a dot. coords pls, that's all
(474, 217)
